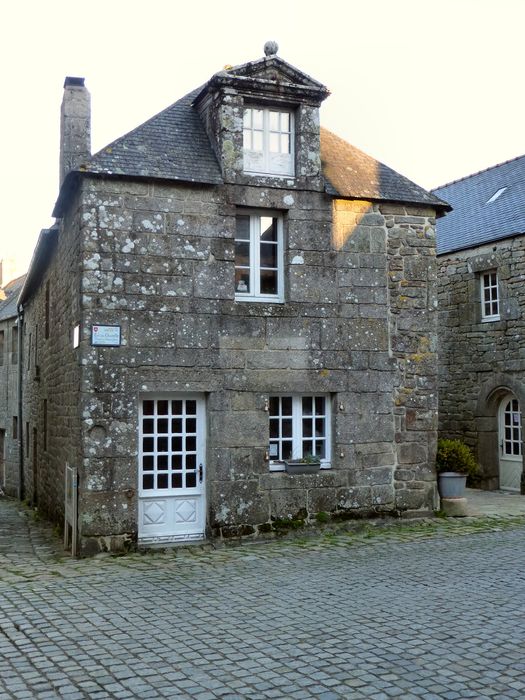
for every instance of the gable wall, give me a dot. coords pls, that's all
(9, 470)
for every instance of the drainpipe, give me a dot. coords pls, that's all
(20, 327)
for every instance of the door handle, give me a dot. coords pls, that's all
(201, 473)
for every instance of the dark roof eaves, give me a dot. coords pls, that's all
(39, 261)
(476, 174)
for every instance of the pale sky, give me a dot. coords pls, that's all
(432, 88)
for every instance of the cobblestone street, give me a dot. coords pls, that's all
(432, 609)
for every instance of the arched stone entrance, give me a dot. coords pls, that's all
(499, 402)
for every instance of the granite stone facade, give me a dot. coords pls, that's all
(481, 362)
(9, 382)
(156, 255)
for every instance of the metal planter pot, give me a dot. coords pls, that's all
(452, 485)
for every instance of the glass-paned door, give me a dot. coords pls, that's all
(511, 444)
(171, 468)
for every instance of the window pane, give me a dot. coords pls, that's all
(162, 426)
(147, 445)
(257, 118)
(268, 228)
(176, 461)
(147, 463)
(176, 481)
(191, 408)
(247, 139)
(307, 405)
(274, 428)
(285, 121)
(274, 405)
(147, 481)
(162, 408)
(191, 425)
(148, 408)
(320, 405)
(286, 405)
(307, 427)
(162, 462)
(242, 253)
(308, 448)
(162, 481)
(268, 255)
(274, 143)
(320, 449)
(285, 143)
(286, 449)
(286, 428)
(176, 408)
(269, 282)
(191, 479)
(257, 142)
(191, 461)
(162, 444)
(176, 444)
(274, 121)
(242, 280)
(176, 425)
(247, 117)
(191, 444)
(319, 427)
(148, 426)
(242, 228)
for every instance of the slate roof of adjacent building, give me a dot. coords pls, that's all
(487, 206)
(9, 298)
(174, 145)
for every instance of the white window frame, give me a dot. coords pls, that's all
(265, 161)
(488, 285)
(255, 258)
(297, 429)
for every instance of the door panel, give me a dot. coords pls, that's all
(511, 444)
(171, 468)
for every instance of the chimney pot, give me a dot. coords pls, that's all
(70, 81)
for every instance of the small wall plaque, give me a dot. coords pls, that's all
(105, 335)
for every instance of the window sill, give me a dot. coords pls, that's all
(260, 300)
(279, 467)
(490, 319)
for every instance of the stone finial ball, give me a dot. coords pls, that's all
(271, 48)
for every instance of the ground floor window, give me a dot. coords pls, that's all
(299, 427)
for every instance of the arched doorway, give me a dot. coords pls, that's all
(510, 444)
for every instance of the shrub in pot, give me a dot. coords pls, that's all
(454, 463)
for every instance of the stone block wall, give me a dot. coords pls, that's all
(358, 324)
(9, 466)
(52, 373)
(479, 361)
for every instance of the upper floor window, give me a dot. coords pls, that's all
(259, 258)
(489, 296)
(268, 142)
(14, 345)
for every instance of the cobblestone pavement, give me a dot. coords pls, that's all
(432, 610)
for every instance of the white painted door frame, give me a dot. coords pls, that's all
(510, 444)
(171, 468)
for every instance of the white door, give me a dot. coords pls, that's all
(510, 440)
(172, 502)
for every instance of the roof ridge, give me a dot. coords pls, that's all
(478, 172)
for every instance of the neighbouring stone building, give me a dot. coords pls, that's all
(227, 287)
(481, 258)
(9, 382)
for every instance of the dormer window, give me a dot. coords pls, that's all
(268, 142)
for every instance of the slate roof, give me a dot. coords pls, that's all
(174, 145)
(171, 145)
(474, 220)
(351, 173)
(8, 306)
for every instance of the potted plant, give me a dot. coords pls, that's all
(309, 464)
(454, 463)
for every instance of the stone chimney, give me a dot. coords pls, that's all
(75, 126)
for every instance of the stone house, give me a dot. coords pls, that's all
(9, 383)
(227, 287)
(481, 260)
